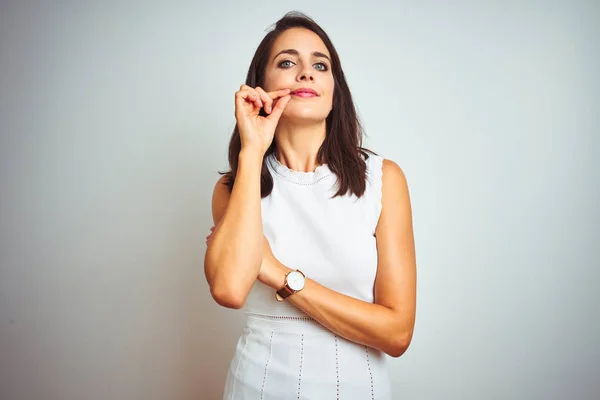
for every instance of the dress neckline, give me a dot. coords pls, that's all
(298, 177)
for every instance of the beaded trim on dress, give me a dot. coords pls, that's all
(298, 177)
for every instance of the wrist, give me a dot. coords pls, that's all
(250, 155)
(277, 277)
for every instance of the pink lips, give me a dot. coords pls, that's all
(304, 92)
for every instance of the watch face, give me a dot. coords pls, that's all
(295, 280)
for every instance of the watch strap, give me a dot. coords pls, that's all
(285, 291)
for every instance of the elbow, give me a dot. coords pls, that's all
(227, 297)
(399, 345)
(226, 289)
(222, 293)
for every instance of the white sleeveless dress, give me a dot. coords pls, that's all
(282, 353)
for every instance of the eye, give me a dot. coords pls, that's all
(321, 66)
(285, 64)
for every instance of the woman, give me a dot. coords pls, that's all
(313, 233)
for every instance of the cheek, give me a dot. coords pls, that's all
(276, 80)
(330, 88)
(268, 85)
(270, 81)
(330, 97)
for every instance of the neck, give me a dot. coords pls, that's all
(299, 144)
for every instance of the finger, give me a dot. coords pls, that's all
(266, 99)
(241, 97)
(275, 95)
(278, 109)
(279, 93)
(254, 97)
(248, 95)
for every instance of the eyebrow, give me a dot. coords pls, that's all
(296, 53)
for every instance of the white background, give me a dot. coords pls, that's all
(115, 118)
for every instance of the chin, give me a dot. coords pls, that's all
(304, 114)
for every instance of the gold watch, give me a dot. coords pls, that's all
(294, 282)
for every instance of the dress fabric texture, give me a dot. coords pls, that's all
(282, 353)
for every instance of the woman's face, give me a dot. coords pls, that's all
(300, 61)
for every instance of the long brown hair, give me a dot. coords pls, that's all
(342, 148)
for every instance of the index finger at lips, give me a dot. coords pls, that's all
(279, 93)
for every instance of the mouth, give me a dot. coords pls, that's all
(304, 92)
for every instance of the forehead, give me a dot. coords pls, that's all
(301, 39)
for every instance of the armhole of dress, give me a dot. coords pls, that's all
(376, 177)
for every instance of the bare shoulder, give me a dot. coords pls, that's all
(220, 199)
(395, 198)
(393, 176)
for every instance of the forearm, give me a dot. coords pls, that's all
(362, 322)
(235, 252)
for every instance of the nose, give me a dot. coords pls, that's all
(306, 74)
(306, 77)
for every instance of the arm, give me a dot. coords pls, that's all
(388, 323)
(234, 254)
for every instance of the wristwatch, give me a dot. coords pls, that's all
(294, 282)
